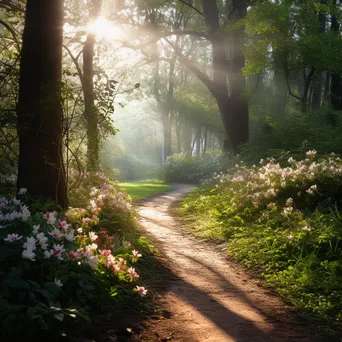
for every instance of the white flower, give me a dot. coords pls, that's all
(22, 191)
(287, 211)
(79, 230)
(12, 237)
(290, 237)
(30, 243)
(93, 261)
(70, 236)
(92, 247)
(306, 228)
(48, 254)
(16, 201)
(28, 254)
(36, 229)
(289, 202)
(92, 236)
(291, 160)
(50, 217)
(58, 283)
(311, 153)
(56, 234)
(127, 244)
(42, 239)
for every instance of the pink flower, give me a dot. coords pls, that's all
(122, 261)
(113, 266)
(63, 224)
(131, 271)
(12, 237)
(50, 217)
(136, 254)
(142, 291)
(86, 220)
(56, 234)
(105, 252)
(76, 255)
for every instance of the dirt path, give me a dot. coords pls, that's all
(210, 299)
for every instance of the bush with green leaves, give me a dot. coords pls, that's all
(54, 273)
(283, 220)
(185, 168)
(272, 136)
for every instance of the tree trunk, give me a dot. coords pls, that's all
(318, 81)
(198, 140)
(232, 103)
(327, 86)
(205, 140)
(178, 134)
(90, 110)
(237, 81)
(186, 137)
(336, 86)
(40, 120)
(317, 91)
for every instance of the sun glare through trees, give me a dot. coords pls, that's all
(147, 146)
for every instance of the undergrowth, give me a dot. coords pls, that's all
(285, 221)
(59, 270)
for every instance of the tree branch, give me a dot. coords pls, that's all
(190, 65)
(13, 33)
(75, 60)
(190, 5)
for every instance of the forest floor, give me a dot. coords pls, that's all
(205, 297)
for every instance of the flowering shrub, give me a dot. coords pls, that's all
(192, 169)
(53, 272)
(284, 220)
(99, 204)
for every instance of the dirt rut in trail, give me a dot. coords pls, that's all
(210, 299)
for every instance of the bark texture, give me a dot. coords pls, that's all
(40, 118)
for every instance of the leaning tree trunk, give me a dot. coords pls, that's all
(41, 169)
(232, 102)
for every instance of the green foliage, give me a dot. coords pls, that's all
(272, 137)
(285, 222)
(288, 36)
(55, 275)
(184, 168)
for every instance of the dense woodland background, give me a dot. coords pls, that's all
(176, 76)
(244, 96)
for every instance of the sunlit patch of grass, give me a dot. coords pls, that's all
(202, 226)
(140, 190)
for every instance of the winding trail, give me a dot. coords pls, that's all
(210, 299)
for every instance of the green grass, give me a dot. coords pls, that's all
(140, 190)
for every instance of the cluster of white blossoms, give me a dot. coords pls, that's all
(13, 209)
(261, 184)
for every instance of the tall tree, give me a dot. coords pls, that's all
(90, 110)
(227, 83)
(41, 168)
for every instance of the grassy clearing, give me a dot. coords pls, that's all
(140, 190)
(284, 222)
